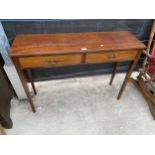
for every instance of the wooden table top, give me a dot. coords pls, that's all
(45, 44)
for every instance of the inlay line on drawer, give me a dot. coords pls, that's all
(110, 56)
(50, 61)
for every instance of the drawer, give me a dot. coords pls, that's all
(110, 56)
(50, 61)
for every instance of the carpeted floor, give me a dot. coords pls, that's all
(85, 105)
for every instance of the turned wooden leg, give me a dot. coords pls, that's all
(31, 80)
(128, 74)
(114, 72)
(24, 83)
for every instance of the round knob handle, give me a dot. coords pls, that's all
(52, 61)
(112, 56)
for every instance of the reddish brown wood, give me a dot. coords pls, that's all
(68, 49)
(127, 77)
(77, 59)
(31, 80)
(114, 72)
(50, 61)
(48, 44)
(22, 78)
(110, 56)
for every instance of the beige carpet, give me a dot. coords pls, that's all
(85, 105)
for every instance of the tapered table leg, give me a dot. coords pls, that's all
(31, 80)
(24, 83)
(127, 77)
(114, 72)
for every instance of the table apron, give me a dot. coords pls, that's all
(76, 59)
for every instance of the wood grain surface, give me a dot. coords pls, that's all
(68, 49)
(47, 44)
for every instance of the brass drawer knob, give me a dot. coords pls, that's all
(52, 61)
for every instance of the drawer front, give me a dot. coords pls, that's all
(50, 61)
(109, 56)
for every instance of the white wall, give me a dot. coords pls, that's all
(9, 67)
